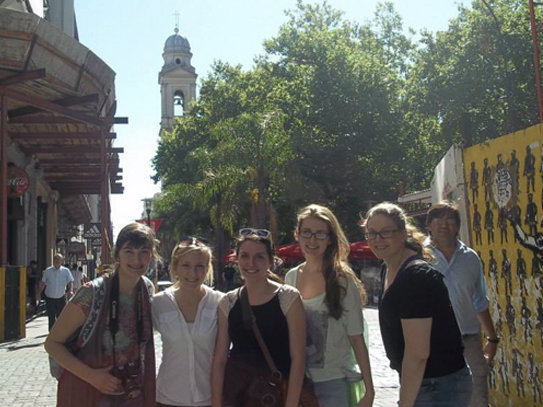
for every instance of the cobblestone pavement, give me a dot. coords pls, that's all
(26, 382)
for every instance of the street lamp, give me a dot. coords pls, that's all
(148, 205)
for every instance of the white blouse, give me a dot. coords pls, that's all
(185, 370)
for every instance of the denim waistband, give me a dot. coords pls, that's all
(431, 380)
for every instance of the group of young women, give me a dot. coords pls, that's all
(214, 344)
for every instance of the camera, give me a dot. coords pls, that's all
(130, 376)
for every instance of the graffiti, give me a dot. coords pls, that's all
(506, 229)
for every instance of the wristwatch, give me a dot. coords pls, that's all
(493, 340)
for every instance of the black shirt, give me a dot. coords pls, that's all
(418, 291)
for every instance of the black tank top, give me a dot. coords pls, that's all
(274, 329)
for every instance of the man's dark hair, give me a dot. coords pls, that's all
(441, 209)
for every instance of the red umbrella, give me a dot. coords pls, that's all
(360, 251)
(290, 253)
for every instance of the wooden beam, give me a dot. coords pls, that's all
(69, 101)
(69, 161)
(45, 135)
(120, 120)
(51, 107)
(67, 149)
(23, 77)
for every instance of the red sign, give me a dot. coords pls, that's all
(155, 223)
(18, 181)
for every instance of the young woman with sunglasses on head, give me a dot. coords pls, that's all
(109, 322)
(186, 317)
(279, 317)
(333, 298)
(418, 326)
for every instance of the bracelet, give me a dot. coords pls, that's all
(493, 340)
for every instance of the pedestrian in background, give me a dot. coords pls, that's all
(332, 297)
(186, 317)
(79, 276)
(465, 280)
(280, 319)
(56, 283)
(33, 277)
(104, 338)
(418, 326)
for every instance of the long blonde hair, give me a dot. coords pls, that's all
(335, 265)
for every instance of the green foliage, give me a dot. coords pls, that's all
(341, 114)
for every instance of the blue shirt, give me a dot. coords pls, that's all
(465, 280)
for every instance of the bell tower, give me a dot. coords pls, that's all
(177, 79)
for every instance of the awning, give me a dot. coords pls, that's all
(60, 104)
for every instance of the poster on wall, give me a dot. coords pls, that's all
(505, 202)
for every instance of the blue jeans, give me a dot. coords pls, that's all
(332, 393)
(453, 390)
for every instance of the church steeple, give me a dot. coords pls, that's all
(177, 79)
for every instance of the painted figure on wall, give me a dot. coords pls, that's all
(510, 316)
(518, 371)
(514, 166)
(521, 272)
(506, 272)
(474, 182)
(489, 224)
(502, 224)
(493, 271)
(526, 318)
(531, 215)
(534, 378)
(487, 179)
(477, 219)
(529, 169)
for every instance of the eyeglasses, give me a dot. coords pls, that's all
(319, 235)
(264, 233)
(194, 240)
(383, 234)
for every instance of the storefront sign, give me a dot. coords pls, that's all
(18, 181)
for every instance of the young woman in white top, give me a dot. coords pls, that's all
(186, 317)
(332, 296)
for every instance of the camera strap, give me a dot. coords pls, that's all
(114, 311)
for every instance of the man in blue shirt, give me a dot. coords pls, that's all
(464, 278)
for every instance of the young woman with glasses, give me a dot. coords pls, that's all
(104, 338)
(186, 317)
(279, 315)
(418, 326)
(333, 298)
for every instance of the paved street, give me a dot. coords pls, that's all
(26, 382)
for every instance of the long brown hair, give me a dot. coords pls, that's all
(415, 237)
(335, 265)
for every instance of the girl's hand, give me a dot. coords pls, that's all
(104, 381)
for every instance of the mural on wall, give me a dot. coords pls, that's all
(505, 210)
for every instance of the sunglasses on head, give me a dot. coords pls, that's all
(194, 240)
(264, 233)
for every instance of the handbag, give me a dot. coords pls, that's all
(269, 389)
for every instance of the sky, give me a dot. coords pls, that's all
(129, 36)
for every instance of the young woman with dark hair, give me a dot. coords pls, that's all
(104, 338)
(279, 317)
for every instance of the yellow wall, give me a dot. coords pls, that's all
(515, 292)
